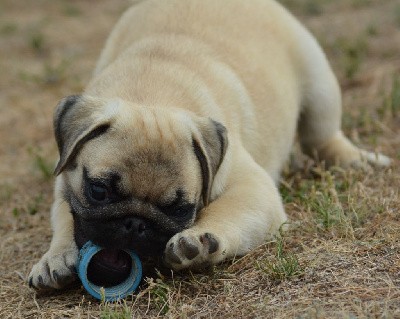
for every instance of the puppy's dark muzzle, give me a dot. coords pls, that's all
(128, 232)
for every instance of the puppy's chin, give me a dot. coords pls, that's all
(124, 233)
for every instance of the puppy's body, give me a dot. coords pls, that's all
(171, 73)
(239, 64)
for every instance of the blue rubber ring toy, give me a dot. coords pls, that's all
(114, 293)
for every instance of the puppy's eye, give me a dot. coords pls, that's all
(98, 192)
(183, 211)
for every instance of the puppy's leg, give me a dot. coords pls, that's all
(320, 121)
(57, 266)
(240, 219)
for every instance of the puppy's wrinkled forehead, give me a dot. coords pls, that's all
(148, 148)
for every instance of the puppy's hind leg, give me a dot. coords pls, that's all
(320, 121)
(56, 268)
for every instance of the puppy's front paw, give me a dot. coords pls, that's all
(55, 269)
(189, 249)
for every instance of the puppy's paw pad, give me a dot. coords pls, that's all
(186, 250)
(209, 241)
(188, 247)
(54, 270)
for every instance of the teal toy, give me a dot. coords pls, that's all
(104, 288)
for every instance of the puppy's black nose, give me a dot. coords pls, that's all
(134, 225)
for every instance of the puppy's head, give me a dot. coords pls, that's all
(134, 176)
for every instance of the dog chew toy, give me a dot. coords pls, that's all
(108, 274)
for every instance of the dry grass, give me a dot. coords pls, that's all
(341, 255)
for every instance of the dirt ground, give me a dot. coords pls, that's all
(341, 256)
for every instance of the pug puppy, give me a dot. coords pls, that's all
(176, 146)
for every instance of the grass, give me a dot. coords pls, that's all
(8, 29)
(32, 206)
(37, 42)
(370, 121)
(392, 103)
(339, 256)
(159, 292)
(71, 10)
(284, 265)
(397, 15)
(52, 73)
(334, 201)
(353, 52)
(360, 3)
(41, 164)
(119, 310)
(372, 30)
(6, 191)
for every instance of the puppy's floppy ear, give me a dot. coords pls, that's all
(210, 148)
(74, 125)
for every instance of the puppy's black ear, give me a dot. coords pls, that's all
(210, 148)
(74, 125)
